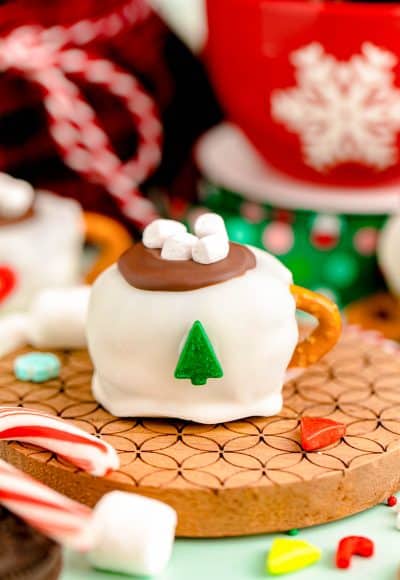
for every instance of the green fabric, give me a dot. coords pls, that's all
(341, 272)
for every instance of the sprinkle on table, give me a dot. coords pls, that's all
(319, 432)
(37, 367)
(353, 546)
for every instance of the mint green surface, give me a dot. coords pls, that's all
(244, 558)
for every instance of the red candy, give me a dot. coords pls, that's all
(391, 501)
(353, 546)
(8, 281)
(317, 432)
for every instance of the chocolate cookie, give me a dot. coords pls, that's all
(25, 554)
(380, 312)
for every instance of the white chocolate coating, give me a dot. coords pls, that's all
(13, 332)
(16, 196)
(388, 254)
(135, 336)
(132, 534)
(43, 251)
(57, 318)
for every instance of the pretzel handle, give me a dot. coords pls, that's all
(327, 333)
(109, 236)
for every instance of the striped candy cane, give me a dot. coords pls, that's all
(74, 445)
(123, 533)
(50, 58)
(49, 512)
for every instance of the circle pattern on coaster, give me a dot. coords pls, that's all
(243, 477)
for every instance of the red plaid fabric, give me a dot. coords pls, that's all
(82, 86)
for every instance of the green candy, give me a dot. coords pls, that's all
(198, 361)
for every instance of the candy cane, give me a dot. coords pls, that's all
(46, 57)
(53, 514)
(93, 455)
(124, 532)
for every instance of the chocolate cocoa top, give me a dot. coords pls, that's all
(145, 269)
(12, 221)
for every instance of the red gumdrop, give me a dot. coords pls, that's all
(353, 546)
(318, 432)
(391, 501)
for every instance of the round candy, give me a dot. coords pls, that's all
(37, 367)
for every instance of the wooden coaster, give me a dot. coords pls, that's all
(244, 477)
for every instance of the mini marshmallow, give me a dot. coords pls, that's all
(57, 318)
(16, 197)
(178, 247)
(131, 534)
(13, 332)
(155, 234)
(208, 224)
(211, 249)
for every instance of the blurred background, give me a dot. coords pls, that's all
(255, 110)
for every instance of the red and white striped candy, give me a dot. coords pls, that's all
(87, 452)
(49, 512)
(52, 58)
(123, 533)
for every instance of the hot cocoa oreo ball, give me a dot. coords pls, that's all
(26, 554)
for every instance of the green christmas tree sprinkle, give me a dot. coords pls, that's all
(198, 361)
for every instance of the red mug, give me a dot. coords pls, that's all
(314, 85)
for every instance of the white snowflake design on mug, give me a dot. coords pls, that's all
(343, 111)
